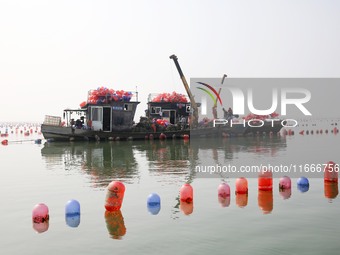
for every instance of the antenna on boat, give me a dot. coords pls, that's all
(136, 94)
(223, 78)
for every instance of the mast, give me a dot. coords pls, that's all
(194, 115)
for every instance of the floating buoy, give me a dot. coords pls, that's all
(326, 131)
(335, 130)
(302, 132)
(241, 186)
(321, 131)
(154, 203)
(331, 190)
(331, 172)
(311, 132)
(72, 207)
(117, 138)
(114, 196)
(162, 136)
(265, 201)
(4, 142)
(72, 213)
(303, 184)
(285, 183)
(265, 180)
(317, 132)
(186, 137)
(307, 132)
(111, 138)
(40, 213)
(186, 193)
(223, 191)
(151, 136)
(115, 224)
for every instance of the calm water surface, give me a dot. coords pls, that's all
(260, 223)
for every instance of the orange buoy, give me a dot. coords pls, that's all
(186, 193)
(114, 196)
(265, 180)
(241, 186)
(331, 172)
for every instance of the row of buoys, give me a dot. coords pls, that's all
(311, 132)
(40, 215)
(115, 194)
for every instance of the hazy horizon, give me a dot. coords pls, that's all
(53, 52)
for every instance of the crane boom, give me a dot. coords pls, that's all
(194, 116)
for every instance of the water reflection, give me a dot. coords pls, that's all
(117, 160)
(265, 201)
(115, 224)
(41, 227)
(331, 190)
(103, 162)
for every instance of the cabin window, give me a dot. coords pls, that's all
(155, 109)
(127, 107)
(97, 114)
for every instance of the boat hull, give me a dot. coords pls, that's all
(59, 133)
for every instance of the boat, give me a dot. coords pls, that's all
(108, 114)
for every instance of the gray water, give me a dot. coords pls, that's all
(260, 223)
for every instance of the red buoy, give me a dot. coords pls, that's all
(185, 137)
(114, 196)
(162, 136)
(186, 193)
(331, 172)
(241, 186)
(302, 132)
(4, 142)
(265, 180)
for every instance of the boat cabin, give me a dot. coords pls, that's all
(172, 111)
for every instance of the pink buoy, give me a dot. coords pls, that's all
(186, 193)
(265, 180)
(40, 213)
(286, 193)
(223, 190)
(285, 183)
(114, 196)
(331, 172)
(241, 186)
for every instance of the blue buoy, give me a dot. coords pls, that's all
(154, 203)
(72, 213)
(72, 207)
(303, 184)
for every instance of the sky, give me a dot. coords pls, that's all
(53, 52)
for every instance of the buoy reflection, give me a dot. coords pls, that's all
(331, 190)
(265, 201)
(115, 224)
